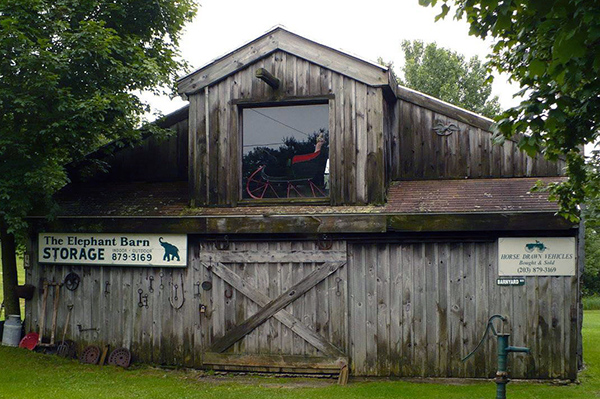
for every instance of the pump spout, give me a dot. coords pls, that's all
(517, 349)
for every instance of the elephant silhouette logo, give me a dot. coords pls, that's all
(171, 251)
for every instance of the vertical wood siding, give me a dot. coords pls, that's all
(421, 154)
(356, 130)
(151, 160)
(412, 309)
(163, 334)
(417, 309)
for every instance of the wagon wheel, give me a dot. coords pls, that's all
(528, 248)
(256, 186)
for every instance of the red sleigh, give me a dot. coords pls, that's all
(300, 181)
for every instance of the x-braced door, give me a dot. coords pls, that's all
(276, 306)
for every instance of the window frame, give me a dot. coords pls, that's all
(289, 102)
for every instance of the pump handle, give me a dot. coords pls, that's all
(490, 326)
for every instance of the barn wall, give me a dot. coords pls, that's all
(422, 154)
(404, 309)
(163, 334)
(417, 309)
(152, 160)
(356, 129)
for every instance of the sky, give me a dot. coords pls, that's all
(368, 29)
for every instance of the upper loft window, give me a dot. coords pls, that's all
(285, 152)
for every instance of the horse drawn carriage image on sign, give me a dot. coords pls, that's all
(321, 219)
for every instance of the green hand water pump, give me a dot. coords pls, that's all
(503, 350)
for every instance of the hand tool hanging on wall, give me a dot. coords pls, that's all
(143, 302)
(63, 347)
(174, 299)
(151, 279)
(56, 299)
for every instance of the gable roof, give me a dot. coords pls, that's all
(280, 39)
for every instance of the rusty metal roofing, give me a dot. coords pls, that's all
(469, 195)
(138, 199)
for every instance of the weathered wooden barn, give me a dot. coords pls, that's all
(326, 217)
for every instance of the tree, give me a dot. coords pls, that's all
(446, 75)
(591, 271)
(68, 73)
(551, 47)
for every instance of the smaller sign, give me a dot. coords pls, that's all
(504, 281)
(537, 256)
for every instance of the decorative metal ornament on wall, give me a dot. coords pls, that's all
(445, 129)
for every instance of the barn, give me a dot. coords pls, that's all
(308, 214)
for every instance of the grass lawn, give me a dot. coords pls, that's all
(25, 374)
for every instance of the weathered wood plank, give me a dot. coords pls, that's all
(383, 304)
(361, 145)
(407, 309)
(442, 308)
(396, 309)
(370, 287)
(294, 256)
(357, 309)
(287, 361)
(375, 141)
(456, 310)
(430, 264)
(420, 309)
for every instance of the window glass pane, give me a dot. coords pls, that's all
(285, 152)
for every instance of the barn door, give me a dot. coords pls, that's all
(275, 306)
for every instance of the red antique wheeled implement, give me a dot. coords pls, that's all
(304, 178)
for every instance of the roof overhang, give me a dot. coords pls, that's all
(280, 39)
(312, 224)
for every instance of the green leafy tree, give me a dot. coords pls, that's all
(446, 75)
(591, 273)
(552, 48)
(69, 71)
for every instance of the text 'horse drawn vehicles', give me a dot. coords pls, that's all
(304, 176)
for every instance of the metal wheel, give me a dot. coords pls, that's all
(90, 355)
(120, 357)
(72, 281)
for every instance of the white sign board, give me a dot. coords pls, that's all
(536, 256)
(162, 250)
